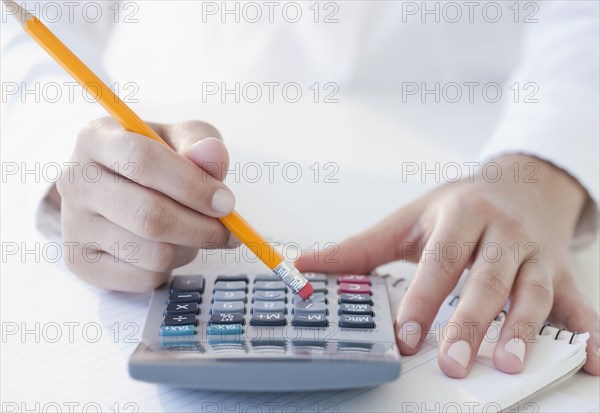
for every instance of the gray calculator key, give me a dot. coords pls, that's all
(227, 318)
(316, 297)
(356, 321)
(319, 287)
(310, 307)
(240, 277)
(230, 286)
(192, 297)
(179, 320)
(269, 286)
(187, 283)
(229, 296)
(268, 319)
(356, 298)
(221, 307)
(182, 308)
(309, 320)
(269, 296)
(268, 307)
(350, 308)
(315, 277)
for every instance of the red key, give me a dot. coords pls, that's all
(356, 279)
(355, 288)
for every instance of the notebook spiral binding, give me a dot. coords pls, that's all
(454, 302)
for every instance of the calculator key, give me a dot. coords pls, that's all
(355, 288)
(216, 329)
(316, 297)
(179, 320)
(268, 319)
(182, 308)
(186, 330)
(356, 298)
(319, 287)
(269, 286)
(187, 283)
(230, 286)
(315, 277)
(266, 277)
(240, 277)
(270, 296)
(268, 307)
(356, 321)
(229, 296)
(310, 307)
(347, 308)
(309, 320)
(192, 297)
(227, 318)
(221, 307)
(356, 279)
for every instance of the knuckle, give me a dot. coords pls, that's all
(473, 202)
(164, 256)
(151, 219)
(514, 228)
(492, 284)
(201, 128)
(540, 288)
(214, 235)
(137, 154)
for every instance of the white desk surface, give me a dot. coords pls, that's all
(367, 136)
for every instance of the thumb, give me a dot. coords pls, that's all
(359, 254)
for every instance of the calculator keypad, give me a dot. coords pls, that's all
(235, 301)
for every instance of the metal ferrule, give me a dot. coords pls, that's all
(290, 276)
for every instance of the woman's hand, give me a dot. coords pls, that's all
(515, 238)
(132, 209)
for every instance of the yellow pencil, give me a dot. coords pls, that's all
(133, 123)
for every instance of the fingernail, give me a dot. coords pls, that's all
(410, 334)
(516, 347)
(460, 352)
(223, 201)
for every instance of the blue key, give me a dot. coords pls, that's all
(215, 329)
(186, 330)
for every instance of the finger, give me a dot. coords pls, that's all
(97, 232)
(530, 305)
(385, 242)
(442, 262)
(155, 166)
(482, 298)
(573, 310)
(150, 214)
(211, 155)
(103, 270)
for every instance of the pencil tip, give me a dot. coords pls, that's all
(19, 12)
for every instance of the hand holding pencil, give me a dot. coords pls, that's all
(157, 179)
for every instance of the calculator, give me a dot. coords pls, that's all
(248, 332)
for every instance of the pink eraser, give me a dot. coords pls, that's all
(306, 291)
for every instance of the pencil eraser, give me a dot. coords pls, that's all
(306, 291)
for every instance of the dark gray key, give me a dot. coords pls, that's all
(221, 307)
(309, 320)
(269, 286)
(267, 277)
(187, 283)
(350, 308)
(268, 319)
(316, 297)
(227, 318)
(193, 297)
(268, 307)
(240, 277)
(310, 307)
(182, 308)
(319, 287)
(356, 321)
(270, 296)
(230, 286)
(356, 298)
(315, 277)
(179, 320)
(229, 296)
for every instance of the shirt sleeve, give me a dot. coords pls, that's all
(552, 100)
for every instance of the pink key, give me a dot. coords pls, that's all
(355, 288)
(356, 279)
